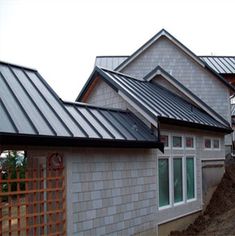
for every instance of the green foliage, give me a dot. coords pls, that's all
(13, 162)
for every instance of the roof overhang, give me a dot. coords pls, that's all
(170, 121)
(51, 141)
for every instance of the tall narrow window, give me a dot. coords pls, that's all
(190, 177)
(163, 179)
(178, 180)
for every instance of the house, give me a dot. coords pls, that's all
(143, 146)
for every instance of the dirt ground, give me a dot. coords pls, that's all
(219, 217)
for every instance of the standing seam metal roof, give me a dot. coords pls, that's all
(158, 101)
(28, 106)
(221, 64)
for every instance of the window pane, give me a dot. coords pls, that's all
(178, 181)
(163, 170)
(177, 141)
(189, 142)
(207, 143)
(216, 143)
(190, 178)
(165, 140)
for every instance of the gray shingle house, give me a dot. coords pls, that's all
(143, 145)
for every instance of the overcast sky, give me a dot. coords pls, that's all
(61, 38)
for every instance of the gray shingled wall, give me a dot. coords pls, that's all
(111, 191)
(104, 96)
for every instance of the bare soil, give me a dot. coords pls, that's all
(219, 217)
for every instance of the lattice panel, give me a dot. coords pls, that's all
(32, 204)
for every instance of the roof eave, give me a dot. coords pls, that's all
(165, 120)
(8, 139)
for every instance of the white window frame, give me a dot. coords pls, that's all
(194, 142)
(212, 144)
(184, 156)
(183, 180)
(177, 148)
(219, 148)
(170, 184)
(195, 180)
(169, 140)
(170, 159)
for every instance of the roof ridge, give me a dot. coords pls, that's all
(18, 66)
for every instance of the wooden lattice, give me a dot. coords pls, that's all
(33, 204)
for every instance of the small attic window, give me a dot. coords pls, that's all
(165, 140)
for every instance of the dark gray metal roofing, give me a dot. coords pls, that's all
(221, 64)
(158, 101)
(28, 106)
(109, 62)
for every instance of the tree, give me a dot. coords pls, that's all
(11, 163)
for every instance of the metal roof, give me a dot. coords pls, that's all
(221, 64)
(109, 62)
(159, 102)
(29, 107)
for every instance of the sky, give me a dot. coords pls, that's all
(61, 38)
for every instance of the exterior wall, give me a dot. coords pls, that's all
(103, 95)
(112, 191)
(201, 155)
(172, 59)
(115, 191)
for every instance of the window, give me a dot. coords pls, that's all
(212, 143)
(177, 169)
(165, 140)
(178, 180)
(189, 142)
(163, 176)
(207, 143)
(190, 178)
(216, 144)
(177, 142)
